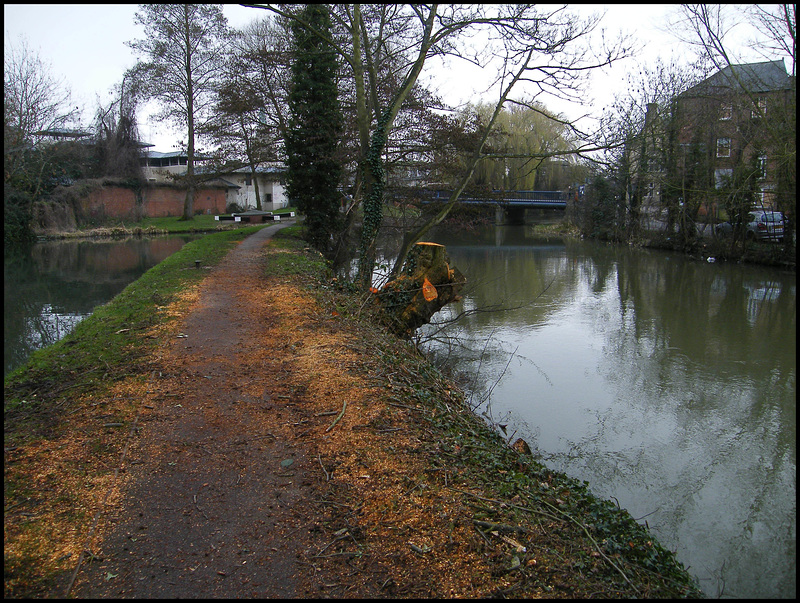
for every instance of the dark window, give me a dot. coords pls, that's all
(762, 108)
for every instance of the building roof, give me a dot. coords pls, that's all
(223, 182)
(266, 170)
(768, 76)
(261, 169)
(63, 133)
(160, 155)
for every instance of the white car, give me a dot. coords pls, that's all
(761, 226)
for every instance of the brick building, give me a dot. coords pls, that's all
(735, 118)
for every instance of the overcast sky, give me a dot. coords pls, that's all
(85, 46)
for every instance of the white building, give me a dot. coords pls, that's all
(159, 167)
(271, 187)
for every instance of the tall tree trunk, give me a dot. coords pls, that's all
(375, 185)
(188, 204)
(248, 149)
(254, 176)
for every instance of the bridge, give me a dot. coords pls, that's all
(509, 206)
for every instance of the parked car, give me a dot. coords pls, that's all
(761, 226)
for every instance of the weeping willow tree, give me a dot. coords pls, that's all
(525, 138)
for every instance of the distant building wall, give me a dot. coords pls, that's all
(272, 192)
(156, 202)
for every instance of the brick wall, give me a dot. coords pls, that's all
(157, 201)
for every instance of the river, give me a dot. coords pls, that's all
(51, 286)
(668, 384)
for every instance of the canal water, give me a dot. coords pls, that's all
(51, 286)
(668, 384)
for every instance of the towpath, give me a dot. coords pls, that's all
(220, 503)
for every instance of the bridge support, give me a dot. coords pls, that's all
(509, 215)
(499, 216)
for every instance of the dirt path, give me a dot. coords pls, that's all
(220, 503)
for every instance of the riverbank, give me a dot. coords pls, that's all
(412, 494)
(152, 227)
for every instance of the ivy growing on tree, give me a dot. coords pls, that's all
(315, 128)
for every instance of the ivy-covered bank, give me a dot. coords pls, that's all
(462, 508)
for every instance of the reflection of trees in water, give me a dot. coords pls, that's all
(48, 326)
(38, 326)
(711, 392)
(707, 477)
(96, 262)
(53, 285)
(699, 364)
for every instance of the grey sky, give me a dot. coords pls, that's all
(85, 46)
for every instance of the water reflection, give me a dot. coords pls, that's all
(666, 383)
(51, 286)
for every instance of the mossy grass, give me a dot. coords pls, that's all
(301, 260)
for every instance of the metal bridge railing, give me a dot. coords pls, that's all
(511, 198)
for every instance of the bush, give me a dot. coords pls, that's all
(17, 217)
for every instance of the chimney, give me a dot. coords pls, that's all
(652, 112)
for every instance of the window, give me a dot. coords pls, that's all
(722, 178)
(725, 111)
(762, 166)
(248, 180)
(723, 147)
(762, 108)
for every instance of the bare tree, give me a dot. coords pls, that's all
(778, 24)
(534, 51)
(537, 53)
(183, 50)
(249, 121)
(639, 132)
(117, 144)
(34, 101)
